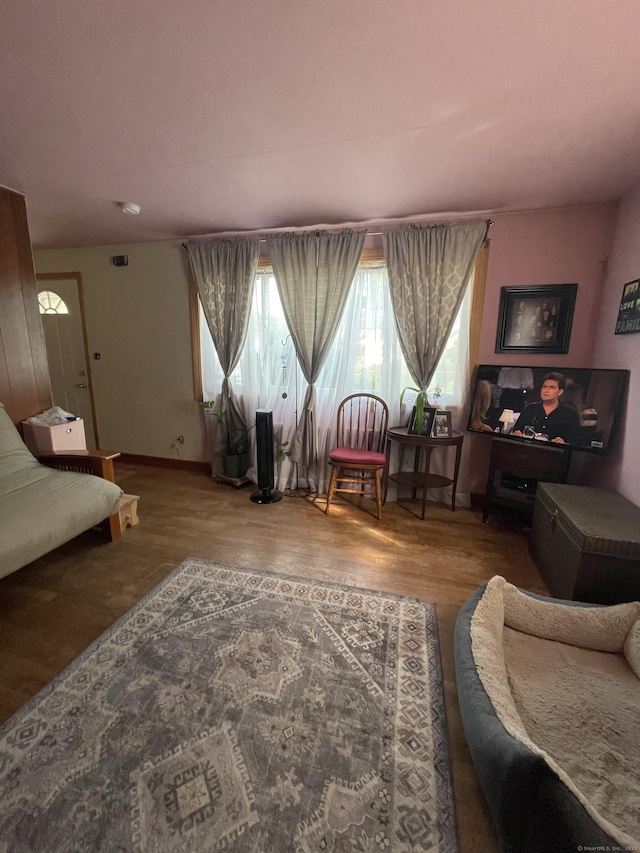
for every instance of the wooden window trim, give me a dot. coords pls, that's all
(479, 284)
(194, 318)
(368, 256)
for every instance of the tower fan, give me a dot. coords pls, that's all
(266, 494)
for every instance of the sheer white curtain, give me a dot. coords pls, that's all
(452, 374)
(365, 356)
(314, 272)
(267, 375)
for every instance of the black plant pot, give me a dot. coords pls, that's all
(235, 465)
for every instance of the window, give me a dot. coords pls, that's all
(365, 356)
(51, 303)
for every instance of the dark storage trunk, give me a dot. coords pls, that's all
(586, 543)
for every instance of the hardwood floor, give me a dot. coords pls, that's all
(52, 609)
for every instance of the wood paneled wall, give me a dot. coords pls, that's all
(25, 388)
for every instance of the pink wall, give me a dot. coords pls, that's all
(621, 470)
(559, 246)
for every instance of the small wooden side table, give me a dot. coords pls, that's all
(422, 479)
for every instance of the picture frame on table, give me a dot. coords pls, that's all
(442, 425)
(536, 319)
(427, 422)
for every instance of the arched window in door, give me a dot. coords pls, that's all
(51, 303)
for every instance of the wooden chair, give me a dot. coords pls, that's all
(359, 459)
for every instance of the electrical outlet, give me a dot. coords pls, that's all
(179, 439)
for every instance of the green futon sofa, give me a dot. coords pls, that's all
(41, 507)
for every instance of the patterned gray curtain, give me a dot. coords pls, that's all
(429, 269)
(224, 272)
(314, 272)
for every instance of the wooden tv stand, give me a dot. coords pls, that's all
(524, 459)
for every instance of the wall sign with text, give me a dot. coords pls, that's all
(629, 312)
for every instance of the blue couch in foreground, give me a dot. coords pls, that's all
(549, 694)
(42, 507)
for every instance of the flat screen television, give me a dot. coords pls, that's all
(519, 403)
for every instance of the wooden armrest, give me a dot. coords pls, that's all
(99, 462)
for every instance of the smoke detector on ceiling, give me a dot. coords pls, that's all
(129, 207)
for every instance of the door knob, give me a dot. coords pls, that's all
(82, 385)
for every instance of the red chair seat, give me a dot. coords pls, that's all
(358, 463)
(347, 456)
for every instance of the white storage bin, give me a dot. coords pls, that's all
(43, 439)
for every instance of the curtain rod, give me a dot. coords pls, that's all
(490, 223)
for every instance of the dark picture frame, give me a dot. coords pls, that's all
(427, 422)
(442, 427)
(628, 322)
(536, 319)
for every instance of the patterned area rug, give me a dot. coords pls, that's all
(242, 711)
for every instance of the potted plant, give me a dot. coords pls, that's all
(232, 441)
(421, 401)
(281, 453)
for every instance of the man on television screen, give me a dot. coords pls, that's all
(549, 420)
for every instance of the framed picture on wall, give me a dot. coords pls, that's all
(536, 319)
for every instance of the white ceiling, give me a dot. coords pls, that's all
(222, 115)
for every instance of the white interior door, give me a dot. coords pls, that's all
(68, 363)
